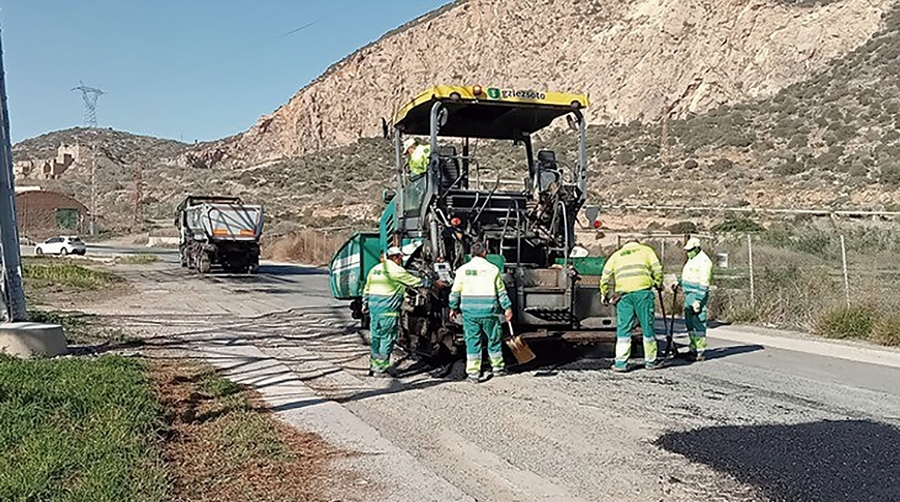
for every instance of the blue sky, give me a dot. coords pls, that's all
(180, 69)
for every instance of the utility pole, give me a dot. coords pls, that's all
(138, 195)
(93, 226)
(13, 292)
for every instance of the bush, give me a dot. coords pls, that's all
(722, 165)
(625, 158)
(847, 322)
(737, 224)
(683, 227)
(886, 330)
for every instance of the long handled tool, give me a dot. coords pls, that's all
(517, 345)
(671, 348)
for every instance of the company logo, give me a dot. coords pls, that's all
(495, 93)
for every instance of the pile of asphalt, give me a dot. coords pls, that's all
(822, 461)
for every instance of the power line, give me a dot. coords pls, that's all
(90, 96)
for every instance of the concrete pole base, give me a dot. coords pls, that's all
(30, 339)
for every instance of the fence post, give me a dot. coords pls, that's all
(663, 253)
(846, 276)
(750, 260)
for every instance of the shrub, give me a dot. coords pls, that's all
(625, 158)
(683, 227)
(722, 165)
(738, 224)
(855, 321)
(886, 330)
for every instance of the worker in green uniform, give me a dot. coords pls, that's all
(478, 291)
(636, 270)
(417, 156)
(696, 277)
(383, 294)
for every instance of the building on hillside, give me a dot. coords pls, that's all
(66, 155)
(43, 213)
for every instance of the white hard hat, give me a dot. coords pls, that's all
(393, 251)
(692, 243)
(409, 143)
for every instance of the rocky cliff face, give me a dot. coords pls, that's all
(638, 59)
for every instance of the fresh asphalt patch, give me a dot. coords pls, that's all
(825, 461)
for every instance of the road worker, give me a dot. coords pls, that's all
(636, 270)
(696, 277)
(383, 294)
(478, 291)
(417, 156)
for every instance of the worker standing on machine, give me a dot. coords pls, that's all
(636, 270)
(383, 294)
(417, 156)
(478, 291)
(696, 277)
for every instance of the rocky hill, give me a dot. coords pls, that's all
(638, 59)
(824, 135)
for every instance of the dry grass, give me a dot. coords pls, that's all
(223, 445)
(311, 247)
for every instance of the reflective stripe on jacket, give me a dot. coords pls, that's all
(633, 267)
(696, 277)
(385, 287)
(418, 161)
(478, 289)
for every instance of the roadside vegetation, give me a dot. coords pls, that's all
(312, 247)
(799, 279)
(223, 445)
(49, 271)
(79, 429)
(138, 259)
(114, 429)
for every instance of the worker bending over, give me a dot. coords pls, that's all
(696, 277)
(478, 291)
(383, 294)
(635, 269)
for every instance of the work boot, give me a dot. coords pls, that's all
(655, 365)
(620, 368)
(473, 379)
(699, 356)
(500, 372)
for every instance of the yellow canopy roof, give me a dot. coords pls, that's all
(489, 112)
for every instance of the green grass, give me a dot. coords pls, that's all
(50, 271)
(78, 430)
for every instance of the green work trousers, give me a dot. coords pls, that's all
(474, 329)
(696, 326)
(383, 331)
(632, 308)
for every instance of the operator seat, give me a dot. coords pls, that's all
(448, 167)
(547, 170)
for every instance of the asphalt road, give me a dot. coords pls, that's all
(753, 422)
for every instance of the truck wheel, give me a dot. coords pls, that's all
(203, 264)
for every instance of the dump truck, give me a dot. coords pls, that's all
(528, 226)
(219, 231)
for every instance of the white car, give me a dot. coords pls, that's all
(61, 245)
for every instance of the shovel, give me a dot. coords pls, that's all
(517, 345)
